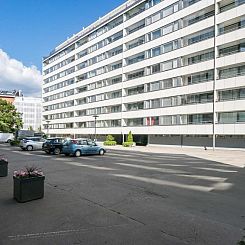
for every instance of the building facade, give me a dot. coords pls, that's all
(9, 95)
(31, 111)
(172, 72)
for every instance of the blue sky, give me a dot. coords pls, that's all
(30, 29)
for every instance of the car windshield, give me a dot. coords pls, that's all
(54, 140)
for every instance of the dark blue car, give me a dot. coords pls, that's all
(78, 147)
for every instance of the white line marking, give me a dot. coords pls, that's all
(166, 183)
(89, 166)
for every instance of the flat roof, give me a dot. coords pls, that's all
(111, 15)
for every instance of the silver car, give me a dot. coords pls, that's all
(32, 143)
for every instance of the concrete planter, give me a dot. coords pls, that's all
(3, 168)
(28, 189)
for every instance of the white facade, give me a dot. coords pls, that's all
(166, 70)
(31, 111)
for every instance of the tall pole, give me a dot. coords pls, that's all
(215, 75)
(95, 122)
(47, 127)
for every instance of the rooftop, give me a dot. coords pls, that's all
(113, 14)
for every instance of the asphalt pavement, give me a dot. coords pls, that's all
(125, 197)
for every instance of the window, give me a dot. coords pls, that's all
(135, 75)
(156, 34)
(156, 51)
(156, 68)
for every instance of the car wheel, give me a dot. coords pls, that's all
(77, 153)
(101, 152)
(29, 147)
(56, 151)
(8, 141)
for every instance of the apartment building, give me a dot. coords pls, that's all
(172, 72)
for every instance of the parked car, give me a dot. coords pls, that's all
(32, 143)
(6, 137)
(53, 145)
(80, 147)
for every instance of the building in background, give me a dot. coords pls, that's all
(31, 111)
(9, 95)
(172, 72)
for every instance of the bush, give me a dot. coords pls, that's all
(130, 137)
(128, 144)
(109, 137)
(14, 142)
(108, 142)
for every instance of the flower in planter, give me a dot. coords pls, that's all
(28, 184)
(28, 172)
(3, 158)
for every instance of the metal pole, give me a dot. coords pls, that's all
(95, 122)
(47, 127)
(215, 75)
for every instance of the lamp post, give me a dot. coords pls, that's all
(47, 127)
(95, 121)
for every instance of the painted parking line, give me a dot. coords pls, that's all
(22, 153)
(90, 166)
(165, 183)
(163, 170)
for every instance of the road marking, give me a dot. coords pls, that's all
(164, 170)
(172, 165)
(203, 177)
(165, 183)
(89, 166)
(22, 153)
(217, 170)
(59, 233)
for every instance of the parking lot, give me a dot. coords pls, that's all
(125, 197)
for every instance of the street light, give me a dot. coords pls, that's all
(47, 127)
(95, 121)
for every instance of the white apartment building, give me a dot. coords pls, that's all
(171, 71)
(31, 111)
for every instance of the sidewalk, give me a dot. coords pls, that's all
(231, 157)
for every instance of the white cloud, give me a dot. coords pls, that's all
(14, 75)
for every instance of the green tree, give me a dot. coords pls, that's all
(10, 119)
(130, 137)
(30, 128)
(109, 137)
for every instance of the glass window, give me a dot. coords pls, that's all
(156, 34)
(241, 116)
(167, 47)
(156, 17)
(156, 68)
(167, 29)
(167, 11)
(156, 51)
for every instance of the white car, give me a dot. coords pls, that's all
(6, 137)
(32, 143)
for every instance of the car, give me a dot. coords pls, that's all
(78, 147)
(53, 145)
(6, 137)
(31, 143)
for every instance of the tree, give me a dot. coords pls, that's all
(130, 137)
(110, 138)
(10, 119)
(30, 128)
